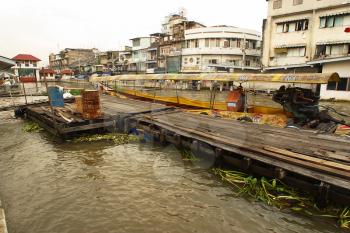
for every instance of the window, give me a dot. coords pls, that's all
(185, 61)
(198, 61)
(213, 61)
(247, 63)
(296, 52)
(299, 25)
(331, 21)
(136, 42)
(342, 85)
(206, 42)
(333, 50)
(277, 4)
(226, 43)
(297, 2)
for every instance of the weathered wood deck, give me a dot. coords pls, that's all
(319, 163)
(287, 154)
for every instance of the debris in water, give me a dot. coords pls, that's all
(31, 127)
(118, 139)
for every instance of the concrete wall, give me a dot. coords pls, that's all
(343, 68)
(311, 10)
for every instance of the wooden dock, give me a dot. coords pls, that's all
(318, 163)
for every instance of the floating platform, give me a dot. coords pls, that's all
(317, 163)
(68, 122)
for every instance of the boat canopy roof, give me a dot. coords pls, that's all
(306, 78)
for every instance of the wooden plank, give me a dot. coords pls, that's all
(308, 158)
(344, 183)
(87, 127)
(250, 147)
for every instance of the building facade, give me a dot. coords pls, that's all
(221, 48)
(124, 59)
(140, 46)
(309, 36)
(74, 59)
(172, 41)
(27, 67)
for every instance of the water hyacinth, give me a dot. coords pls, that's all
(31, 127)
(187, 155)
(273, 192)
(116, 138)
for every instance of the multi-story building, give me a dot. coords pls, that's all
(171, 42)
(221, 48)
(106, 61)
(124, 59)
(140, 47)
(73, 59)
(153, 54)
(309, 36)
(27, 67)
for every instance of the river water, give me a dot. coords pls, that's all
(48, 186)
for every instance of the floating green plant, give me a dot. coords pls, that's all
(275, 193)
(187, 155)
(31, 127)
(116, 138)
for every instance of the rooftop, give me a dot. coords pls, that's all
(25, 57)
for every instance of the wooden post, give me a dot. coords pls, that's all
(52, 109)
(24, 91)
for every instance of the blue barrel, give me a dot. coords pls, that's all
(56, 96)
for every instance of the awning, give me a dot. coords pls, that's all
(290, 46)
(336, 13)
(307, 78)
(281, 50)
(6, 63)
(333, 42)
(292, 20)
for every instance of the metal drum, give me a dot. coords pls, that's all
(91, 105)
(56, 96)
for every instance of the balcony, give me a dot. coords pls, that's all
(220, 51)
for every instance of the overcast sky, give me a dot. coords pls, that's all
(39, 27)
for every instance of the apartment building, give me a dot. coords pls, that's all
(124, 59)
(140, 47)
(221, 48)
(73, 59)
(309, 36)
(171, 42)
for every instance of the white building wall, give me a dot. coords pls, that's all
(196, 59)
(311, 10)
(343, 69)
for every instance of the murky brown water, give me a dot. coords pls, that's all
(49, 186)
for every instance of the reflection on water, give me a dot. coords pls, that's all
(49, 186)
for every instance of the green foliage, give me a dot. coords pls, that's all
(31, 127)
(275, 193)
(187, 155)
(75, 92)
(118, 139)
